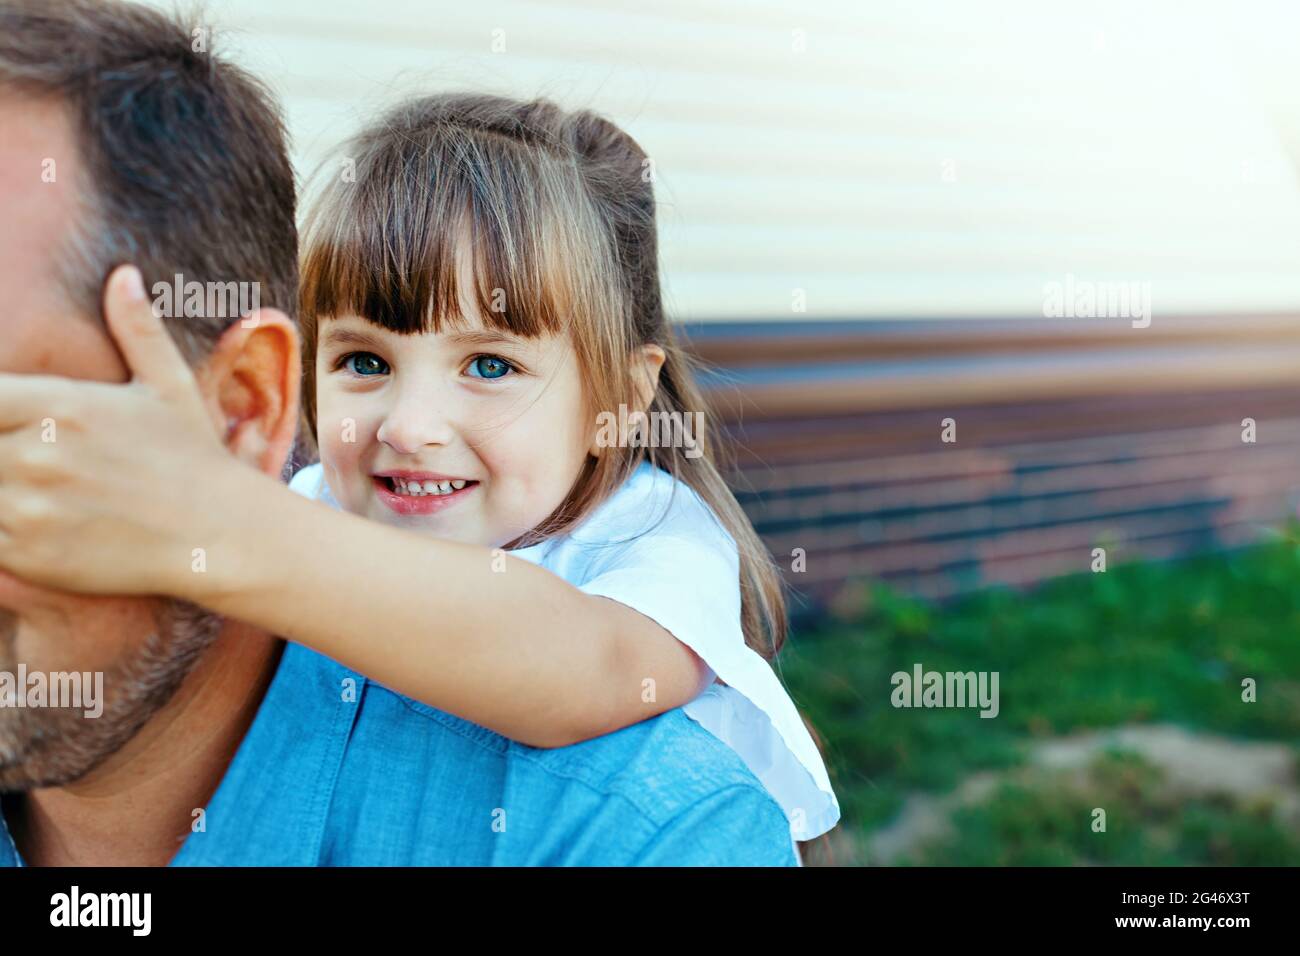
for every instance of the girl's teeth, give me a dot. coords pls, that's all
(417, 488)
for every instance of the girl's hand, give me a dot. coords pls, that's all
(107, 488)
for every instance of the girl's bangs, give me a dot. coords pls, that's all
(389, 247)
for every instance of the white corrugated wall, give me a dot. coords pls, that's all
(872, 159)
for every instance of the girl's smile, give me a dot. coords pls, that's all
(420, 492)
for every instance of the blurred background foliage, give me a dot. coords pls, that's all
(1144, 643)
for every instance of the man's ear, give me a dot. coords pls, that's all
(251, 383)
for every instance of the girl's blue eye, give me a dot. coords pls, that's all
(489, 366)
(365, 363)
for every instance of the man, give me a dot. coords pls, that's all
(123, 140)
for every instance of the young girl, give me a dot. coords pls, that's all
(481, 318)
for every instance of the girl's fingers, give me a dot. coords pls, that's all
(150, 352)
(29, 399)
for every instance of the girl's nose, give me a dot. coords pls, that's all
(414, 422)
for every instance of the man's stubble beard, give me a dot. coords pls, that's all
(52, 746)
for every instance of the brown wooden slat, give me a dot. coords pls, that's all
(1067, 430)
(741, 345)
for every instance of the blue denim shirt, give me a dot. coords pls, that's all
(325, 777)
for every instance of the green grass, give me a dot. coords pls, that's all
(1140, 643)
(1047, 822)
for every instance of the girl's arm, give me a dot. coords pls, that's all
(116, 488)
(492, 638)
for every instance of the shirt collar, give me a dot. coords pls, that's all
(272, 805)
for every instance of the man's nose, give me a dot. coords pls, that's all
(420, 416)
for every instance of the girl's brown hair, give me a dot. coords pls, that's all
(559, 211)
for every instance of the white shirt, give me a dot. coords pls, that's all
(656, 546)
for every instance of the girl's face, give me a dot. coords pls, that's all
(468, 434)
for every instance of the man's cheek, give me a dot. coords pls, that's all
(60, 631)
(33, 600)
